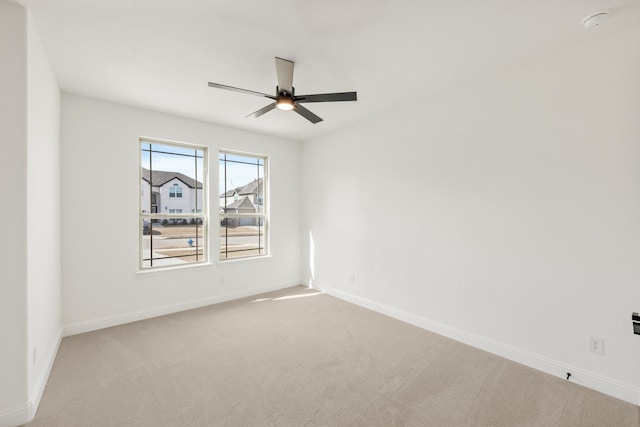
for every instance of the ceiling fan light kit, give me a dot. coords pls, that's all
(285, 98)
(285, 103)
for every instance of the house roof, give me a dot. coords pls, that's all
(242, 203)
(162, 177)
(253, 187)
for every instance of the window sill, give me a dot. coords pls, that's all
(173, 267)
(232, 260)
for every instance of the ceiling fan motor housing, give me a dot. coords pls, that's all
(284, 92)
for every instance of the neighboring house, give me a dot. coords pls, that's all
(170, 192)
(245, 199)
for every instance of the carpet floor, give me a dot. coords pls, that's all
(297, 357)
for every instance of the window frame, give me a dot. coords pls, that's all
(145, 215)
(265, 215)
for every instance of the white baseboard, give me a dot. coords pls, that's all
(16, 416)
(556, 368)
(134, 316)
(41, 383)
(25, 413)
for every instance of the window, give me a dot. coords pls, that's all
(243, 200)
(173, 217)
(175, 191)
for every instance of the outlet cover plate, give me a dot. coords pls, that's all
(596, 345)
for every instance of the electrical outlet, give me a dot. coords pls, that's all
(596, 345)
(352, 278)
(34, 355)
(221, 278)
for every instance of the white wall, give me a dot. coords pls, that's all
(516, 218)
(43, 214)
(100, 167)
(30, 225)
(13, 250)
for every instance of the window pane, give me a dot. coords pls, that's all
(242, 237)
(173, 242)
(241, 178)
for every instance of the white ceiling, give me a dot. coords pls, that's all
(160, 54)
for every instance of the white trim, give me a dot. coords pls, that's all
(16, 416)
(241, 153)
(173, 267)
(41, 383)
(247, 258)
(242, 215)
(154, 140)
(583, 377)
(134, 316)
(25, 413)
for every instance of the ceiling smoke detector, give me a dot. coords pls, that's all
(596, 19)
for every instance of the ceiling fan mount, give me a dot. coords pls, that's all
(285, 98)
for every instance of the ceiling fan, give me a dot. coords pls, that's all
(285, 97)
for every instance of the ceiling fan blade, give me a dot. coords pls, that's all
(284, 69)
(328, 97)
(237, 89)
(261, 111)
(307, 114)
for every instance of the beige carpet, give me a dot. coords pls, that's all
(300, 358)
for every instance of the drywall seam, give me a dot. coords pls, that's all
(594, 381)
(133, 316)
